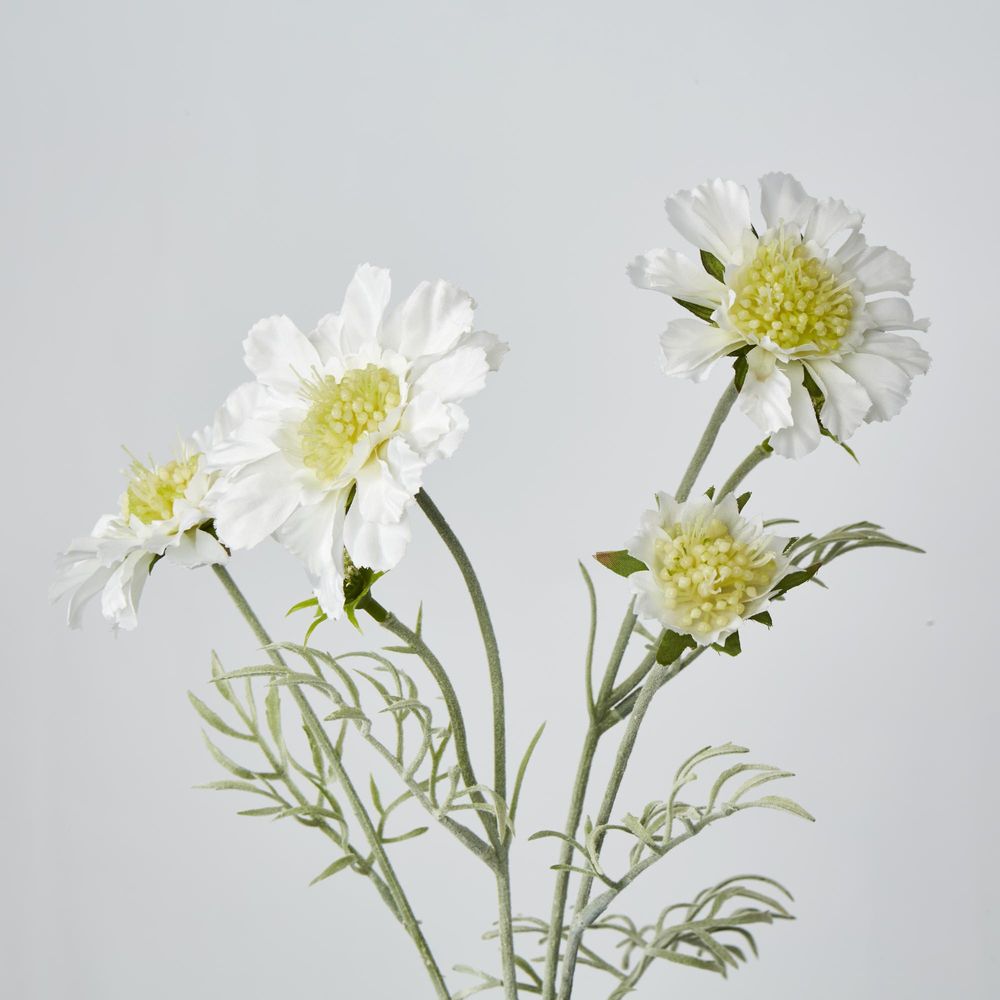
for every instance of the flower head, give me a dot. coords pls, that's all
(347, 419)
(707, 567)
(805, 301)
(164, 513)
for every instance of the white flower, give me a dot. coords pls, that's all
(807, 296)
(708, 567)
(164, 512)
(356, 409)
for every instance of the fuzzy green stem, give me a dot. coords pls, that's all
(319, 734)
(701, 453)
(760, 453)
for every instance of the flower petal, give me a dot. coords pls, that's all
(385, 486)
(678, 276)
(894, 314)
(430, 321)
(880, 269)
(886, 382)
(713, 216)
(803, 436)
(765, 395)
(196, 548)
(690, 347)
(456, 375)
(279, 354)
(364, 306)
(784, 199)
(375, 545)
(903, 351)
(255, 501)
(845, 402)
(829, 217)
(120, 598)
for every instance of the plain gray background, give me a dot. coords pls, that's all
(173, 172)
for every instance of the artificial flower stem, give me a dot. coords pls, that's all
(657, 677)
(465, 567)
(589, 749)
(707, 441)
(760, 453)
(315, 727)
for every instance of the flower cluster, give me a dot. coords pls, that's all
(807, 304)
(324, 449)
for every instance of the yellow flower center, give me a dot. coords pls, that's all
(709, 577)
(792, 297)
(152, 493)
(341, 413)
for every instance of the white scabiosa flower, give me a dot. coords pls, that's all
(165, 512)
(708, 568)
(349, 417)
(811, 306)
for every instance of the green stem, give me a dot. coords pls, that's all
(319, 734)
(760, 453)
(472, 584)
(701, 453)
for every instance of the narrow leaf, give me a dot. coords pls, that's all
(620, 562)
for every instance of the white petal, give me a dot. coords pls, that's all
(430, 321)
(364, 306)
(894, 314)
(690, 347)
(903, 351)
(377, 546)
(456, 375)
(803, 436)
(713, 216)
(845, 402)
(886, 383)
(425, 421)
(255, 502)
(766, 392)
(315, 534)
(81, 574)
(196, 548)
(385, 486)
(120, 599)
(783, 199)
(446, 445)
(880, 269)
(494, 348)
(279, 354)
(678, 276)
(828, 218)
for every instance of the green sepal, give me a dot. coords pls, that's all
(671, 646)
(710, 493)
(713, 265)
(702, 312)
(796, 579)
(764, 617)
(731, 647)
(836, 440)
(620, 562)
(358, 582)
(742, 500)
(740, 367)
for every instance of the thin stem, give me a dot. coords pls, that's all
(759, 454)
(701, 453)
(319, 734)
(502, 845)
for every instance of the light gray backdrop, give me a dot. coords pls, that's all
(173, 172)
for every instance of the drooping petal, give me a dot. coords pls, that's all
(315, 534)
(678, 276)
(279, 354)
(81, 574)
(845, 402)
(765, 395)
(430, 321)
(784, 200)
(803, 436)
(886, 383)
(894, 314)
(713, 216)
(255, 501)
(120, 598)
(690, 347)
(196, 548)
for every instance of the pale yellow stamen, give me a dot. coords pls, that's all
(787, 294)
(708, 576)
(341, 413)
(152, 492)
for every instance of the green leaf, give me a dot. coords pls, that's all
(713, 265)
(702, 312)
(522, 769)
(409, 835)
(796, 578)
(850, 451)
(309, 602)
(338, 866)
(780, 802)
(230, 765)
(764, 617)
(742, 500)
(620, 562)
(671, 646)
(731, 647)
(214, 720)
